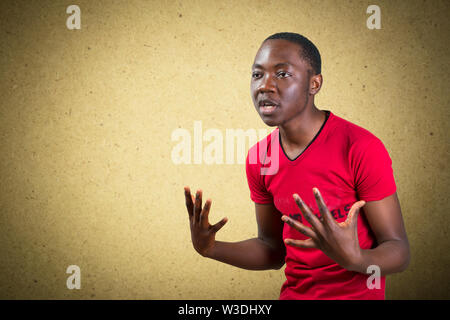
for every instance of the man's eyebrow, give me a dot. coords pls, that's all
(281, 64)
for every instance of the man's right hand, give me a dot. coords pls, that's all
(203, 234)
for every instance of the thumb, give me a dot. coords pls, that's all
(219, 225)
(352, 217)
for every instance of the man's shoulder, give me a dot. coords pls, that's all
(351, 133)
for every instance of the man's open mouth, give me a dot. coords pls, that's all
(267, 110)
(267, 106)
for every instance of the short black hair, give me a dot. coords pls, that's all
(308, 51)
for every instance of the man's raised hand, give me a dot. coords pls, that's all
(202, 232)
(339, 241)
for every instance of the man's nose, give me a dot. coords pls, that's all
(267, 84)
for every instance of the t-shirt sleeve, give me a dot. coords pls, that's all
(372, 167)
(258, 191)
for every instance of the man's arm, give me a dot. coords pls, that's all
(267, 251)
(392, 253)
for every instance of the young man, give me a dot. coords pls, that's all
(329, 209)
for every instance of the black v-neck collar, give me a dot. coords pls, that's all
(327, 115)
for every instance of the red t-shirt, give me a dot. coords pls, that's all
(346, 163)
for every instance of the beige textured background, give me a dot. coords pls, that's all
(86, 118)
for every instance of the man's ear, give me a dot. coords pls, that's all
(315, 84)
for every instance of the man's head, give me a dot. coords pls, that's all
(308, 51)
(287, 74)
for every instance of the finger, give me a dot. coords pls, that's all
(352, 217)
(205, 213)
(299, 227)
(219, 225)
(309, 216)
(189, 202)
(308, 243)
(325, 213)
(198, 206)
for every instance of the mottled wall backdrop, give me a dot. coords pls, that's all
(86, 123)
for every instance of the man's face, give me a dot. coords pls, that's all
(280, 82)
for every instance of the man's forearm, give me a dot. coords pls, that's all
(251, 254)
(391, 256)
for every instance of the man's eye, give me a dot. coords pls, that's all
(255, 75)
(282, 74)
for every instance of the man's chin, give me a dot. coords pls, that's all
(270, 122)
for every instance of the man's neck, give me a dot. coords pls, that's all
(298, 132)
